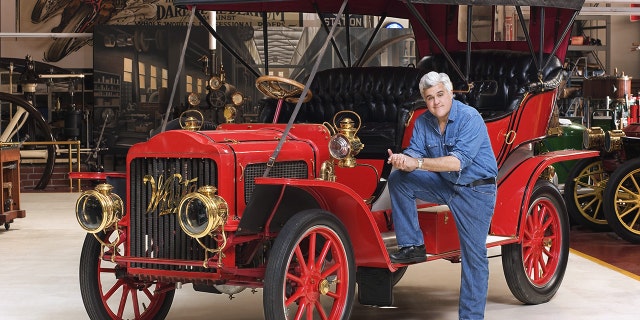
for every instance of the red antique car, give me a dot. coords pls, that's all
(296, 203)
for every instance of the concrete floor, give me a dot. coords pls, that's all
(39, 280)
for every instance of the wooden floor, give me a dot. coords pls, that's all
(606, 247)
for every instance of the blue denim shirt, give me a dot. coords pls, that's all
(465, 138)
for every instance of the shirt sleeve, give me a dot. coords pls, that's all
(468, 138)
(418, 141)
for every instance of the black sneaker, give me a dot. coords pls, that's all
(410, 254)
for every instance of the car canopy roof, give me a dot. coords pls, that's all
(392, 8)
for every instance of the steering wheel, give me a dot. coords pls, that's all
(281, 88)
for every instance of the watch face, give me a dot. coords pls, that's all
(194, 99)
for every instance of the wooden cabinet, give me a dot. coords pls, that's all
(10, 177)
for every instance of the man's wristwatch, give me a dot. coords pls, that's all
(420, 161)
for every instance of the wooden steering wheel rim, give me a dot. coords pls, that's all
(272, 86)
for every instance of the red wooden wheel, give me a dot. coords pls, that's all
(535, 267)
(310, 273)
(109, 293)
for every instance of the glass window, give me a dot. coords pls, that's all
(497, 23)
(165, 78)
(153, 77)
(189, 87)
(142, 75)
(128, 70)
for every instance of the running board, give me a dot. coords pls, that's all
(391, 244)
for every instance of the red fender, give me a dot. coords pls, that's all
(513, 195)
(352, 210)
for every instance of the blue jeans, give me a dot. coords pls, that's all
(472, 209)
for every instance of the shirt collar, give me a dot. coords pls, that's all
(452, 113)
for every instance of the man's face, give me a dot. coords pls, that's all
(438, 100)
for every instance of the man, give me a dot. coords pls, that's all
(449, 161)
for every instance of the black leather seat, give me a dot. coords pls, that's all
(515, 74)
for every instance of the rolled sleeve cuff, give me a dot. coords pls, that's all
(412, 154)
(464, 161)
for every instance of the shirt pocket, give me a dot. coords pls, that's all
(434, 147)
(449, 145)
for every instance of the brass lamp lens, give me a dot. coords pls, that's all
(339, 146)
(195, 218)
(90, 214)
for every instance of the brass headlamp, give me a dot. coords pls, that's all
(613, 140)
(99, 209)
(204, 213)
(593, 138)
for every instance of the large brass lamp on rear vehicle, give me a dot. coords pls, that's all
(204, 213)
(613, 140)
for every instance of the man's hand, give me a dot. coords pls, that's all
(402, 161)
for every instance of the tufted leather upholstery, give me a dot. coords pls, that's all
(385, 96)
(382, 96)
(514, 72)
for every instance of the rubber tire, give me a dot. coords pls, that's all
(397, 276)
(281, 255)
(584, 215)
(91, 290)
(532, 245)
(611, 193)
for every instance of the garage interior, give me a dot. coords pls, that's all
(97, 112)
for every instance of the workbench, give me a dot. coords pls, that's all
(10, 178)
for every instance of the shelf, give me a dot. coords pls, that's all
(588, 48)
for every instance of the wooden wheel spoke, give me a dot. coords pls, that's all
(323, 254)
(148, 293)
(116, 286)
(312, 250)
(585, 184)
(301, 261)
(301, 309)
(627, 211)
(323, 315)
(298, 295)
(632, 177)
(331, 270)
(629, 193)
(634, 221)
(134, 301)
(123, 301)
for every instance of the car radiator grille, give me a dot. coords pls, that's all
(154, 229)
(286, 169)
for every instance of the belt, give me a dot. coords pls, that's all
(480, 182)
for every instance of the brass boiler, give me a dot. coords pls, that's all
(607, 86)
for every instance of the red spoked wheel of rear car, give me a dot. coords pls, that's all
(310, 273)
(108, 292)
(535, 267)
